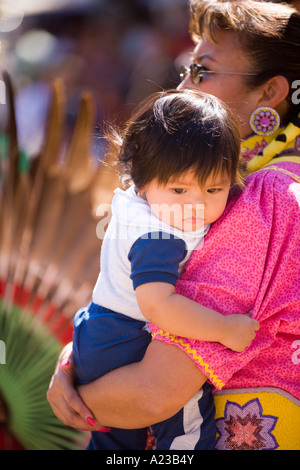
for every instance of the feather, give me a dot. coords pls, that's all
(49, 262)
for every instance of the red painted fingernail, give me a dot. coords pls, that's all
(65, 364)
(90, 421)
(103, 430)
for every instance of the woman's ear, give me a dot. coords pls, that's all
(274, 91)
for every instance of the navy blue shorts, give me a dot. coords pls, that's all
(104, 340)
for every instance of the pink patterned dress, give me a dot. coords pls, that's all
(250, 261)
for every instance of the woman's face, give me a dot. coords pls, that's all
(226, 56)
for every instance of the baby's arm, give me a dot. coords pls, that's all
(183, 317)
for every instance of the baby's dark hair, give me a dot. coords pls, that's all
(175, 131)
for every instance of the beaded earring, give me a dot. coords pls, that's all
(264, 121)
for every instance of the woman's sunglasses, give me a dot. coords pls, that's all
(197, 72)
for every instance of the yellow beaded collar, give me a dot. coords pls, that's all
(257, 150)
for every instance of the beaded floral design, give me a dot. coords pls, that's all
(264, 121)
(249, 153)
(246, 428)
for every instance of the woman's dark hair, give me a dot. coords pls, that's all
(175, 131)
(268, 33)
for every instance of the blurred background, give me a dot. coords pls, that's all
(120, 50)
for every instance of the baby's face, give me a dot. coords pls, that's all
(183, 204)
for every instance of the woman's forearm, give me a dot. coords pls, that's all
(146, 392)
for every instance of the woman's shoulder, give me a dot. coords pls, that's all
(268, 193)
(279, 180)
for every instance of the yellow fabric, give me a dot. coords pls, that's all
(277, 408)
(290, 159)
(251, 141)
(282, 140)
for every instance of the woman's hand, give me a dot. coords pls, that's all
(133, 396)
(63, 397)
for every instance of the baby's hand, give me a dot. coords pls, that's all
(239, 331)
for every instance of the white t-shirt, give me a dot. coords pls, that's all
(139, 248)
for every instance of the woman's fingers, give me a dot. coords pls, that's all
(64, 398)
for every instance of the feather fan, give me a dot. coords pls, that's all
(49, 261)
